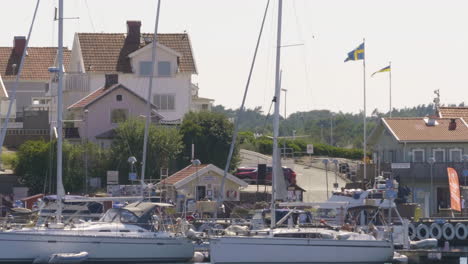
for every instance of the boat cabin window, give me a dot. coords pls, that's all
(299, 235)
(104, 230)
(125, 231)
(115, 215)
(127, 217)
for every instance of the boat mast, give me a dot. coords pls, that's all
(148, 100)
(60, 189)
(276, 116)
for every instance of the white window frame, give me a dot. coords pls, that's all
(443, 156)
(455, 150)
(414, 156)
(159, 105)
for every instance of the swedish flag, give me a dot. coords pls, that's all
(386, 69)
(356, 54)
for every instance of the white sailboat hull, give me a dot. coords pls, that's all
(294, 250)
(26, 247)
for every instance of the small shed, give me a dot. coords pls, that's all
(200, 183)
(295, 193)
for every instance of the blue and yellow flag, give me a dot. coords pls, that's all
(356, 54)
(386, 69)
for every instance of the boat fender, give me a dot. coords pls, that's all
(198, 257)
(411, 231)
(435, 231)
(422, 231)
(448, 231)
(65, 258)
(461, 231)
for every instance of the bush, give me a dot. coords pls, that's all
(9, 160)
(264, 145)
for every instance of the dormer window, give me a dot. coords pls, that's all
(164, 68)
(145, 68)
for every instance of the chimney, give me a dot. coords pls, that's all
(452, 124)
(19, 43)
(111, 79)
(133, 31)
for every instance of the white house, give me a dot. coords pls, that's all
(129, 55)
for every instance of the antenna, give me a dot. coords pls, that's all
(437, 99)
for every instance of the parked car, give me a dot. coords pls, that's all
(251, 176)
(245, 169)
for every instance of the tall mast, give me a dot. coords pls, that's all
(148, 99)
(60, 189)
(276, 115)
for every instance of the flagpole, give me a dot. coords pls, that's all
(390, 80)
(364, 114)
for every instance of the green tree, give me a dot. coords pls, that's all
(37, 165)
(212, 135)
(33, 164)
(164, 146)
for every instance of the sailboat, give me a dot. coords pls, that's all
(122, 235)
(296, 244)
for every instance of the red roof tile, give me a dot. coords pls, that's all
(416, 129)
(36, 63)
(453, 112)
(183, 173)
(101, 92)
(108, 52)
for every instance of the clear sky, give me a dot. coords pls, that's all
(426, 41)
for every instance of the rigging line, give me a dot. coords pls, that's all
(268, 114)
(53, 24)
(303, 40)
(12, 96)
(89, 16)
(241, 109)
(269, 54)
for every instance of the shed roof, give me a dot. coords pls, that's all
(190, 172)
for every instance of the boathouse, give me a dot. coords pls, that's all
(195, 185)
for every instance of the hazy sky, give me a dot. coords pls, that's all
(427, 42)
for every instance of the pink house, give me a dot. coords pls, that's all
(98, 114)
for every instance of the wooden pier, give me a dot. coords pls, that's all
(454, 255)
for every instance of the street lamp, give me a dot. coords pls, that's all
(86, 149)
(431, 161)
(196, 163)
(335, 185)
(331, 129)
(284, 142)
(325, 161)
(285, 91)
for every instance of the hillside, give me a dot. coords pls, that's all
(316, 124)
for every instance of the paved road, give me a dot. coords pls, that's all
(313, 180)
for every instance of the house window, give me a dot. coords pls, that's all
(204, 107)
(439, 155)
(164, 101)
(118, 98)
(455, 155)
(418, 155)
(145, 68)
(119, 115)
(164, 68)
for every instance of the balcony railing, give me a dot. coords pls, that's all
(78, 82)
